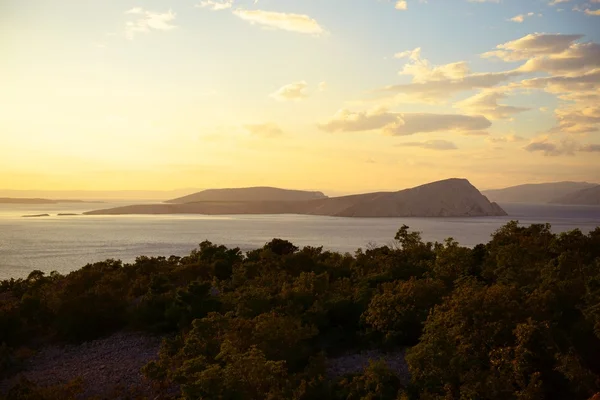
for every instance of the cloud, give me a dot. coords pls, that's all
(590, 148)
(549, 148)
(403, 124)
(401, 5)
(275, 20)
(555, 2)
(484, 1)
(267, 130)
(431, 145)
(551, 53)
(347, 121)
(215, 5)
(532, 45)
(293, 91)
(322, 86)
(565, 147)
(521, 17)
(592, 12)
(475, 133)
(580, 111)
(437, 83)
(578, 57)
(148, 21)
(512, 138)
(486, 103)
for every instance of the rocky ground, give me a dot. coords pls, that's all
(115, 362)
(104, 364)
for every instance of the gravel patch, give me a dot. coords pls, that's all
(104, 364)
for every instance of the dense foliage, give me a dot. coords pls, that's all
(516, 318)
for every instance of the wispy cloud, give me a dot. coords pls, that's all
(431, 145)
(403, 124)
(401, 5)
(521, 17)
(555, 2)
(292, 92)
(590, 148)
(486, 103)
(147, 21)
(285, 21)
(266, 130)
(215, 5)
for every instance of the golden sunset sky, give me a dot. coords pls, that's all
(333, 95)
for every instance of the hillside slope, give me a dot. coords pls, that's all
(589, 196)
(447, 198)
(535, 193)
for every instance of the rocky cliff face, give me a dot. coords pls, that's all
(447, 198)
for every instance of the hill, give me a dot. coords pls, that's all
(535, 193)
(447, 198)
(248, 194)
(589, 196)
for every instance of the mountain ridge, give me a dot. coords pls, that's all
(589, 197)
(535, 192)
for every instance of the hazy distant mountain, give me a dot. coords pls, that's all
(589, 196)
(15, 200)
(536, 193)
(156, 195)
(249, 194)
(448, 198)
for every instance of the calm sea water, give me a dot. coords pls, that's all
(69, 242)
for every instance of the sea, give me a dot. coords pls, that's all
(66, 243)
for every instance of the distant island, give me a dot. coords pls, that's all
(539, 193)
(589, 196)
(446, 198)
(35, 215)
(249, 194)
(17, 200)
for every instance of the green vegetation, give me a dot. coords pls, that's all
(516, 318)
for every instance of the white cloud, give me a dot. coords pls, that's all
(148, 21)
(216, 5)
(285, 21)
(266, 130)
(532, 45)
(555, 2)
(403, 124)
(521, 17)
(486, 103)
(401, 5)
(431, 145)
(592, 12)
(579, 112)
(293, 91)
(436, 83)
(322, 86)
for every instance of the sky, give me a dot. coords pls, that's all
(344, 96)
